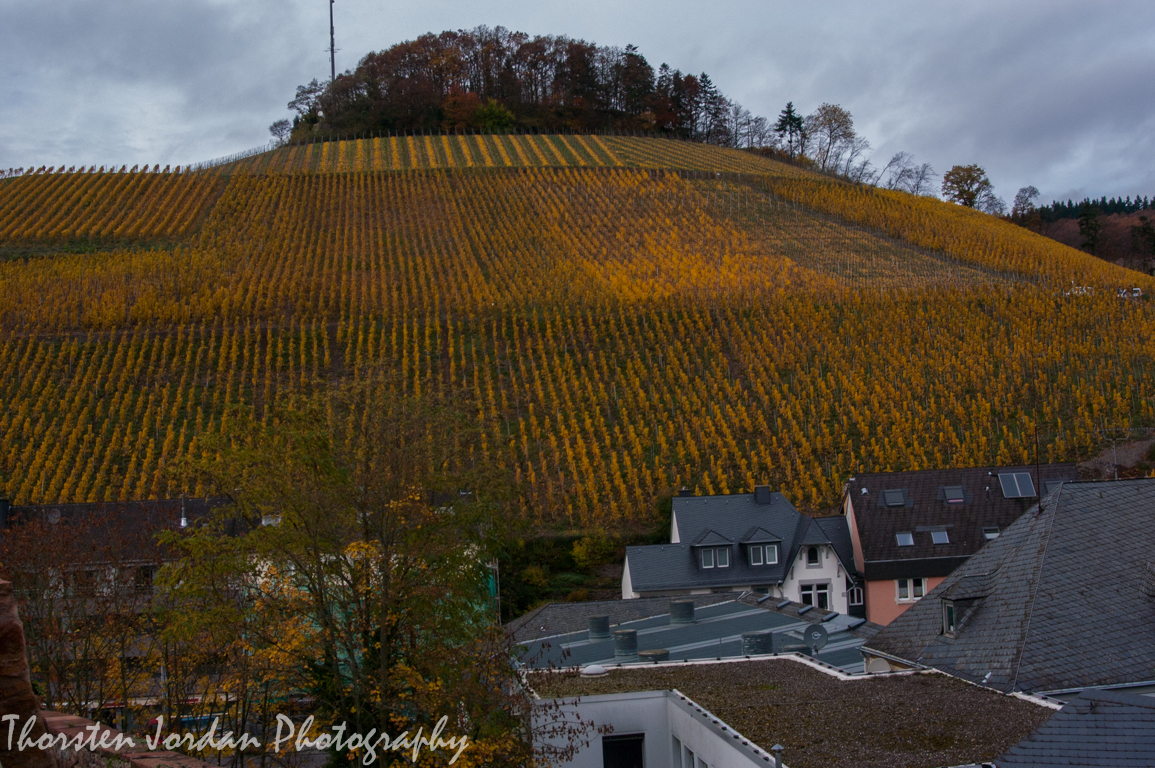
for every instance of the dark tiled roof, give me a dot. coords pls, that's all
(925, 509)
(1057, 602)
(562, 618)
(1098, 728)
(112, 518)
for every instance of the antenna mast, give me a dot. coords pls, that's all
(332, 46)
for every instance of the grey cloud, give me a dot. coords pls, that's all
(1057, 94)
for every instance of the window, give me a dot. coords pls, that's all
(954, 494)
(948, 618)
(771, 554)
(687, 757)
(755, 552)
(142, 579)
(939, 537)
(676, 750)
(854, 596)
(817, 595)
(910, 589)
(813, 558)
(1017, 485)
(715, 557)
(991, 532)
(905, 539)
(894, 498)
(625, 751)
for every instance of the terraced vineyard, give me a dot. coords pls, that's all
(632, 315)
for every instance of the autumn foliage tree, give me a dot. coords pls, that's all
(362, 523)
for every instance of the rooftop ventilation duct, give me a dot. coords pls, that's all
(599, 628)
(681, 611)
(625, 644)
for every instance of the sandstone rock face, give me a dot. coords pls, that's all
(16, 696)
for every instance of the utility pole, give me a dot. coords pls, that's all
(332, 46)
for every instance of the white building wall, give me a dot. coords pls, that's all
(829, 570)
(662, 716)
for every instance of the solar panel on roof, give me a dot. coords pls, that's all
(1017, 485)
(894, 498)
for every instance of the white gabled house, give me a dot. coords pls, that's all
(752, 541)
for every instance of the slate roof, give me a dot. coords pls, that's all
(720, 520)
(1060, 601)
(562, 618)
(925, 509)
(1098, 728)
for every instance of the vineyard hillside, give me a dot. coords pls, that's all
(631, 315)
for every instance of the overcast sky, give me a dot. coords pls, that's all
(1058, 94)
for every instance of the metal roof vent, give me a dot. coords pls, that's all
(599, 628)
(681, 611)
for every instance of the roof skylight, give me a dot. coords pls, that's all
(905, 539)
(954, 494)
(939, 537)
(894, 498)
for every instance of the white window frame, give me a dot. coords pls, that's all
(816, 564)
(707, 558)
(915, 589)
(754, 553)
(771, 560)
(803, 589)
(949, 618)
(722, 557)
(824, 590)
(855, 596)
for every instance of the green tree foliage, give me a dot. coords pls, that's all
(792, 128)
(1090, 227)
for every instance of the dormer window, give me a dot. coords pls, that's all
(715, 557)
(755, 551)
(948, 618)
(813, 557)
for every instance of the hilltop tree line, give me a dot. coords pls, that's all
(498, 80)
(1072, 210)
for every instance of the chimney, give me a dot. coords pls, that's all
(762, 494)
(1148, 585)
(685, 492)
